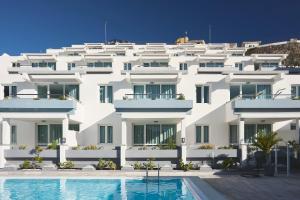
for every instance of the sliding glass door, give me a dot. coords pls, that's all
(72, 91)
(55, 132)
(152, 134)
(42, 134)
(42, 91)
(168, 133)
(168, 91)
(264, 92)
(153, 91)
(249, 91)
(56, 91)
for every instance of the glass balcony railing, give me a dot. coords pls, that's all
(153, 96)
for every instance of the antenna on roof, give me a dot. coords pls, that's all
(105, 34)
(209, 33)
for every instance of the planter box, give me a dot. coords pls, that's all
(134, 153)
(16, 153)
(91, 153)
(209, 153)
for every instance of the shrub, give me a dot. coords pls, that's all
(101, 164)
(228, 163)
(181, 97)
(137, 165)
(67, 165)
(62, 98)
(185, 167)
(227, 147)
(206, 146)
(53, 145)
(38, 149)
(91, 147)
(38, 159)
(76, 148)
(22, 147)
(150, 165)
(26, 165)
(170, 144)
(111, 165)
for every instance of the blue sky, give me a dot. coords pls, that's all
(34, 25)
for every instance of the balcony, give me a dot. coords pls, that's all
(153, 103)
(32, 104)
(266, 103)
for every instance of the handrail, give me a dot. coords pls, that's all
(266, 96)
(152, 96)
(48, 96)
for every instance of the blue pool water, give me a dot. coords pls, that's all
(132, 189)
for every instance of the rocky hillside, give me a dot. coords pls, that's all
(291, 48)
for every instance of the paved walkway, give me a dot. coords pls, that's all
(261, 188)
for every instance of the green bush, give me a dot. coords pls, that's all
(53, 146)
(228, 163)
(26, 165)
(150, 164)
(137, 165)
(22, 147)
(206, 146)
(38, 149)
(91, 147)
(185, 167)
(38, 159)
(67, 165)
(111, 165)
(101, 164)
(76, 148)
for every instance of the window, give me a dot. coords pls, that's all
(156, 64)
(264, 128)
(99, 64)
(211, 64)
(49, 133)
(51, 65)
(252, 129)
(71, 66)
(183, 67)
(74, 127)
(106, 94)
(155, 91)
(239, 66)
(202, 94)
(10, 91)
(127, 66)
(14, 64)
(293, 126)
(251, 91)
(105, 134)
(233, 134)
(13, 136)
(154, 134)
(258, 66)
(58, 91)
(202, 138)
(42, 91)
(295, 92)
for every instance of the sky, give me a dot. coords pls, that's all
(35, 25)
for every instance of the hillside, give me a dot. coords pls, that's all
(291, 48)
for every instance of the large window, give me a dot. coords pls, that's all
(239, 66)
(71, 66)
(251, 91)
(49, 133)
(202, 134)
(252, 129)
(154, 134)
(10, 91)
(211, 64)
(105, 134)
(202, 94)
(106, 94)
(295, 92)
(99, 64)
(51, 65)
(155, 91)
(155, 64)
(183, 66)
(57, 91)
(233, 134)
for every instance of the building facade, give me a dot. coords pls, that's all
(137, 102)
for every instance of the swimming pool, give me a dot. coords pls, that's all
(81, 188)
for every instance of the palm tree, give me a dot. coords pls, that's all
(265, 142)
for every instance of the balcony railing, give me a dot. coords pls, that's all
(153, 96)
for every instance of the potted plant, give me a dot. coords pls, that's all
(265, 142)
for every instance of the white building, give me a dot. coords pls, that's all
(131, 99)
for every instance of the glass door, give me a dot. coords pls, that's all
(264, 92)
(153, 91)
(138, 91)
(249, 91)
(168, 135)
(55, 132)
(56, 91)
(42, 91)
(250, 132)
(42, 134)
(152, 134)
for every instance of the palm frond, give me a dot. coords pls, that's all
(265, 142)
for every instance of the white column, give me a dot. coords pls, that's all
(5, 132)
(65, 128)
(123, 143)
(183, 141)
(5, 141)
(243, 146)
(64, 146)
(297, 129)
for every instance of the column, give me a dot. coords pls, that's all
(243, 146)
(123, 143)
(65, 129)
(5, 141)
(183, 141)
(297, 129)
(65, 140)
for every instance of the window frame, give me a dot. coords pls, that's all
(202, 135)
(202, 95)
(106, 134)
(106, 99)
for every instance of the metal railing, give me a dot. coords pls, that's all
(41, 96)
(153, 96)
(265, 96)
